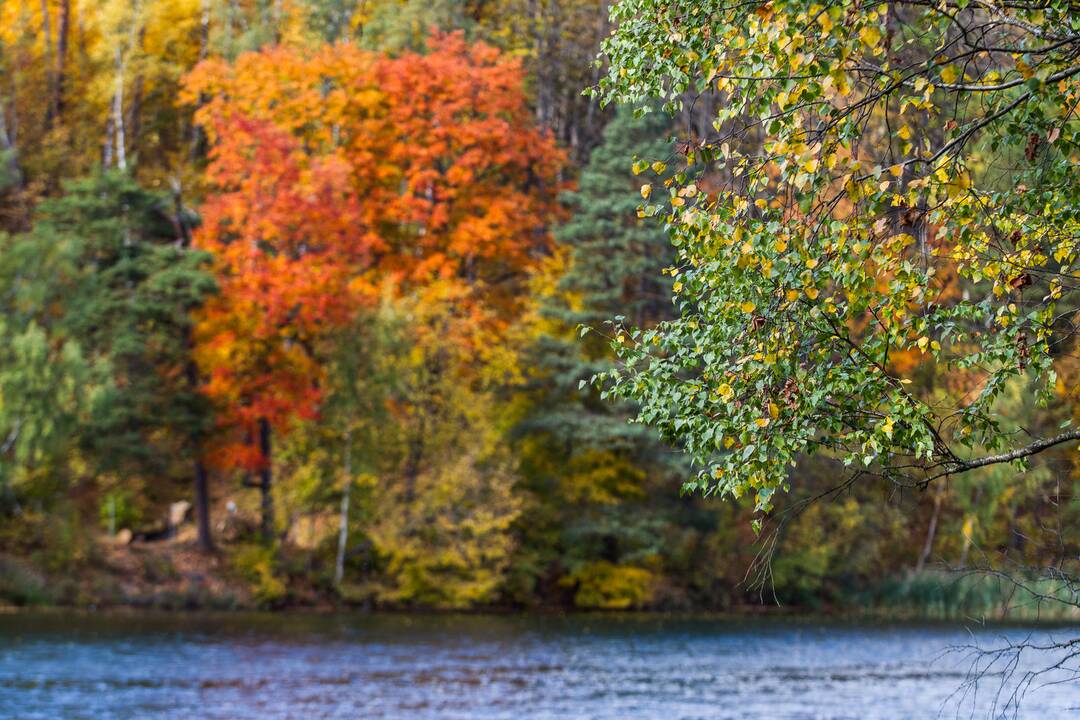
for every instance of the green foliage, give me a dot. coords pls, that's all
(444, 503)
(970, 595)
(829, 549)
(44, 396)
(259, 565)
(65, 542)
(858, 222)
(614, 270)
(7, 176)
(47, 383)
(128, 304)
(601, 507)
(95, 345)
(118, 510)
(869, 255)
(332, 20)
(399, 25)
(20, 585)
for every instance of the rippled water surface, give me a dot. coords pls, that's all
(485, 667)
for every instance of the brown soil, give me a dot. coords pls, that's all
(169, 573)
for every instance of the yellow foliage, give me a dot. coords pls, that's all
(602, 585)
(258, 565)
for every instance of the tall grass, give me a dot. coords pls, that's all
(974, 594)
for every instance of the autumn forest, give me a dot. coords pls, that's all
(334, 302)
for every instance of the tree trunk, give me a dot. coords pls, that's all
(202, 506)
(7, 143)
(107, 146)
(120, 68)
(134, 122)
(48, 61)
(119, 141)
(62, 27)
(537, 27)
(204, 49)
(265, 482)
(343, 529)
(202, 483)
(413, 459)
(931, 531)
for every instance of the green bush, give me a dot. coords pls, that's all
(21, 586)
(118, 511)
(258, 565)
(67, 546)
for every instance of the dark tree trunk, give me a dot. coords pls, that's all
(134, 121)
(202, 506)
(49, 62)
(195, 136)
(63, 23)
(265, 480)
(202, 482)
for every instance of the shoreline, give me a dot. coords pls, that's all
(174, 577)
(651, 617)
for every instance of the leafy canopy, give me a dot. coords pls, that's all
(879, 178)
(337, 174)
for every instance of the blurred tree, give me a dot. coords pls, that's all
(101, 291)
(404, 25)
(363, 375)
(339, 170)
(129, 304)
(557, 40)
(600, 484)
(443, 507)
(45, 392)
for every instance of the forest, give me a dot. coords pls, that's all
(468, 304)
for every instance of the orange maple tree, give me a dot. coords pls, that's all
(339, 171)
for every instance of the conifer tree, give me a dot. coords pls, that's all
(615, 262)
(121, 286)
(592, 470)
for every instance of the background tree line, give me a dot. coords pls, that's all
(325, 262)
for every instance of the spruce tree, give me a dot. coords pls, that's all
(599, 483)
(614, 270)
(119, 283)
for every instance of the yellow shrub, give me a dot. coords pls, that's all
(258, 565)
(605, 586)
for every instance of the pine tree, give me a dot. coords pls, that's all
(590, 472)
(125, 285)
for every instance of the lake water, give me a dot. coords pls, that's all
(487, 667)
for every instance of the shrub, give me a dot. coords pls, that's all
(258, 565)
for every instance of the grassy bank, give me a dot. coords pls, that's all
(974, 594)
(173, 575)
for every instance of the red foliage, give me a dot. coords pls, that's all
(338, 172)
